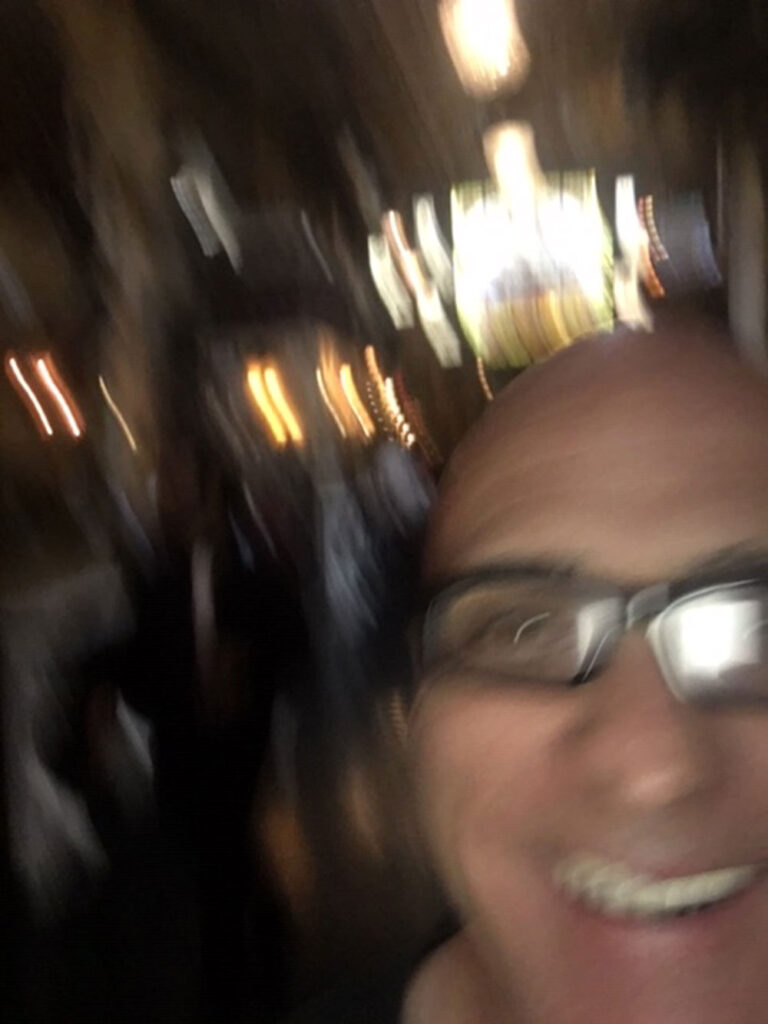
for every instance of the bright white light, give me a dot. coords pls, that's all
(718, 635)
(633, 239)
(631, 233)
(438, 329)
(574, 233)
(486, 44)
(389, 284)
(510, 152)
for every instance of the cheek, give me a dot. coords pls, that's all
(488, 777)
(747, 745)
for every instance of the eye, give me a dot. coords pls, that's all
(522, 633)
(530, 628)
(509, 629)
(538, 645)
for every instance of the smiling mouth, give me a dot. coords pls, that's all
(614, 890)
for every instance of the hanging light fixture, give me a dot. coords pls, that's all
(510, 152)
(486, 44)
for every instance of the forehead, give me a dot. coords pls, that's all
(632, 475)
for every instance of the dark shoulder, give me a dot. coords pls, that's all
(377, 1001)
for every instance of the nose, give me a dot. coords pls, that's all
(643, 748)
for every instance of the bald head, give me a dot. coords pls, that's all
(637, 460)
(618, 438)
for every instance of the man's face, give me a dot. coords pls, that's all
(633, 478)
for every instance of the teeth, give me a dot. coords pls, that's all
(615, 890)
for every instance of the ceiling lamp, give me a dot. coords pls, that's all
(486, 44)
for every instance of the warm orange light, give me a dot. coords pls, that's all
(331, 389)
(260, 396)
(373, 366)
(47, 374)
(401, 424)
(658, 249)
(355, 402)
(280, 402)
(385, 393)
(30, 398)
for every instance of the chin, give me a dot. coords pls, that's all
(561, 963)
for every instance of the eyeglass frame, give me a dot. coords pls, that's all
(643, 606)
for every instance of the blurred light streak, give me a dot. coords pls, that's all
(314, 245)
(633, 241)
(259, 393)
(328, 403)
(355, 402)
(650, 277)
(550, 310)
(438, 329)
(207, 202)
(658, 250)
(46, 372)
(389, 284)
(433, 246)
(402, 426)
(407, 259)
(486, 44)
(379, 384)
(394, 229)
(31, 399)
(115, 410)
(373, 367)
(483, 378)
(187, 196)
(434, 320)
(277, 394)
(375, 404)
(413, 414)
(630, 231)
(330, 369)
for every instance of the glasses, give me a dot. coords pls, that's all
(528, 629)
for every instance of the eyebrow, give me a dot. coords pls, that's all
(560, 568)
(733, 559)
(744, 557)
